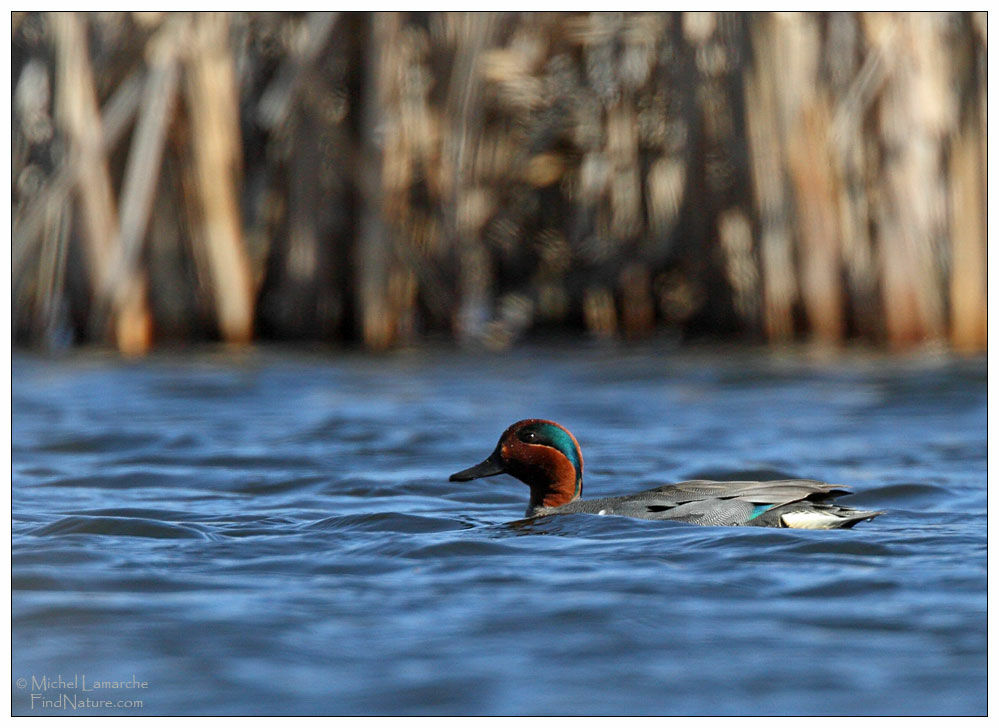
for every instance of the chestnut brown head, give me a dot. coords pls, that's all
(540, 453)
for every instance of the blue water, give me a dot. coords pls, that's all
(274, 532)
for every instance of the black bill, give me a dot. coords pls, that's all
(490, 466)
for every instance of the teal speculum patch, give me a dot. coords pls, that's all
(760, 510)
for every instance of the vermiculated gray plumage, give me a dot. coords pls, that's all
(737, 503)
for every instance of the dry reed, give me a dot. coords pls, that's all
(381, 177)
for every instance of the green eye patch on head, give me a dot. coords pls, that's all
(542, 433)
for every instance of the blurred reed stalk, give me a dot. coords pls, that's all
(380, 177)
(217, 150)
(79, 117)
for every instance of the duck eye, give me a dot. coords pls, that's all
(529, 436)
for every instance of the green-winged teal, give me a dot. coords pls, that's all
(546, 457)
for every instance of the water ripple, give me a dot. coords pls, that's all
(119, 526)
(288, 518)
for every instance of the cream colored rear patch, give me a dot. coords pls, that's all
(811, 520)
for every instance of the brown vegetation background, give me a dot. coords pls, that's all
(380, 178)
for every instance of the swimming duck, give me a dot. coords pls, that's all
(546, 457)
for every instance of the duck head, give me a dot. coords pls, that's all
(540, 453)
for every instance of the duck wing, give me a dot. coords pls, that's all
(769, 492)
(795, 503)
